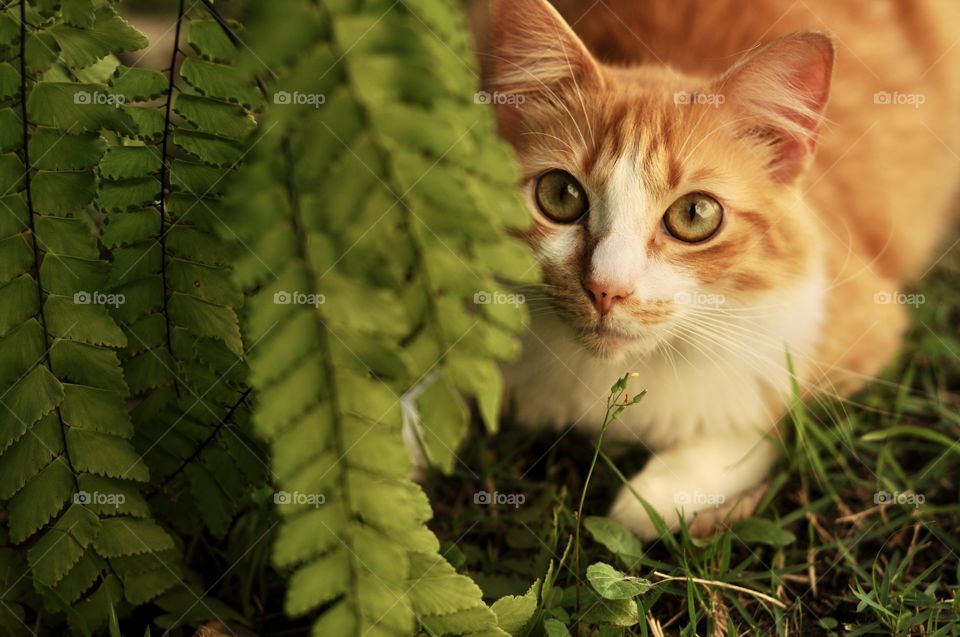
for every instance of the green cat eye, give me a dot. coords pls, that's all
(561, 197)
(694, 217)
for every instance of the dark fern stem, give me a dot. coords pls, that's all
(165, 179)
(222, 22)
(202, 446)
(231, 35)
(31, 213)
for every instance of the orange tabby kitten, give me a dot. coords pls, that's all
(715, 184)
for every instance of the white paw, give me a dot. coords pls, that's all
(628, 510)
(705, 514)
(710, 483)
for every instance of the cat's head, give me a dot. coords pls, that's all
(656, 195)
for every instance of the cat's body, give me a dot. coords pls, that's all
(815, 217)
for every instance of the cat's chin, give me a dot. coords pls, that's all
(615, 345)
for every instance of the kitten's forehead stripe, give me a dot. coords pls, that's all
(674, 173)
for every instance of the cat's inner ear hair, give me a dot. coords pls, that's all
(781, 91)
(535, 51)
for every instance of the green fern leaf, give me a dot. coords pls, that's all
(209, 40)
(221, 82)
(138, 85)
(109, 33)
(347, 335)
(183, 359)
(68, 467)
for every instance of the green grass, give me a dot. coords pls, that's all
(837, 563)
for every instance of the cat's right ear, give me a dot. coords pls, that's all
(534, 51)
(780, 92)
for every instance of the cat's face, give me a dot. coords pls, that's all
(658, 200)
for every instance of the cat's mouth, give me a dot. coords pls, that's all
(608, 342)
(606, 334)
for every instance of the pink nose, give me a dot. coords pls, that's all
(604, 295)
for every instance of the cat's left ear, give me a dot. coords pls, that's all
(780, 92)
(535, 51)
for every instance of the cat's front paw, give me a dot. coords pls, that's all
(710, 521)
(659, 495)
(705, 513)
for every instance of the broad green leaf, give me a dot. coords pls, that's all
(612, 584)
(514, 612)
(617, 538)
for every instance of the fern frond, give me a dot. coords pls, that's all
(345, 334)
(160, 185)
(69, 475)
